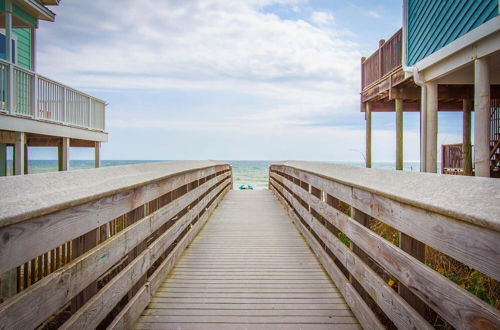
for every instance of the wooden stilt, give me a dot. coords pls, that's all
(399, 134)
(64, 154)
(368, 135)
(97, 153)
(432, 127)
(19, 155)
(3, 159)
(466, 148)
(26, 161)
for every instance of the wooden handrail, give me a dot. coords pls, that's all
(463, 225)
(155, 204)
(384, 60)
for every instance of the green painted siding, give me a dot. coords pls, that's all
(434, 24)
(19, 13)
(23, 47)
(24, 16)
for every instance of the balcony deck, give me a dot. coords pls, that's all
(36, 100)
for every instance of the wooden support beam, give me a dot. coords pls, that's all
(432, 128)
(399, 134)
(368, 118)
(7, 137)
(481, 117)
(467, 145)
(19, 155)
(82, 143)
(64, 154)
(3, 159)
(97, 154)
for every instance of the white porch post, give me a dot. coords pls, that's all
(432, 128)
(481, 117)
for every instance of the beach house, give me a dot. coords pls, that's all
(35, 110)
(445, 58)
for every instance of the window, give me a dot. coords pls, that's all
(2, 46)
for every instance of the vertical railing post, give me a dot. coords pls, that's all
(417, 250)
(89, 117)
(368, 146)
(8, 56)
(380, 58)
(65, 106)
(362, 73)
(34, 96)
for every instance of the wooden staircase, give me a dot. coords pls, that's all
(452, 154)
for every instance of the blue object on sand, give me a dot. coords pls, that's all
(246, 187)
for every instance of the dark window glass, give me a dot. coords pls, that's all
(2, 48)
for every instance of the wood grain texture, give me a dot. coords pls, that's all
(474, 245)
(246, 224)
(49, 192)
(58, 288)
(459, 307)
(365, 315)
(474, 200)
(93, 312)
(134, 308)
(26, 240)
(402, 314)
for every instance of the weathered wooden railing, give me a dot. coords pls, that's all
(85, 249)
(384, 60)
(332, 206)
(42, 98)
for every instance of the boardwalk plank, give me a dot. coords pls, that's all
(248, 268)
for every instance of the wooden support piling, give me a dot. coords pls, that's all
(368, 118)
(19, 155)
(432, 128)
(3, 159)
(466, 131)
(63, 154)
(399, 133)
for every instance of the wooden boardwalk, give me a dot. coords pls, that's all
(248, 269)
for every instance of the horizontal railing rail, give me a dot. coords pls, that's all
(42, 98)
(334, 206)
(86, 249)
(384, 60)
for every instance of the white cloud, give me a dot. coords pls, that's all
(374, 14)
(297, 70)
(322, 18)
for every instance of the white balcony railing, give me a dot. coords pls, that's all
(41, 98)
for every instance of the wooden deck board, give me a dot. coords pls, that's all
(248, 268)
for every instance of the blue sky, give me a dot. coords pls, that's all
(221, 79)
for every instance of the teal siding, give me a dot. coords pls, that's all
(434, 24)
(23, 47)
(20, 13)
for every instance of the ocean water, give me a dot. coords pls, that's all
(253, 172)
